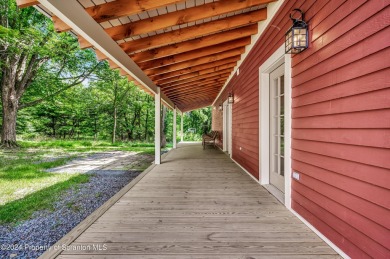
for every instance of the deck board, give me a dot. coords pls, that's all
(197, 204)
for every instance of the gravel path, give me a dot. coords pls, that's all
(47, 227)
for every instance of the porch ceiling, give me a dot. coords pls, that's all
(188, 48)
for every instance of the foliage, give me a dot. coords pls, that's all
(36, 58)
(25, 187)
(72, 96)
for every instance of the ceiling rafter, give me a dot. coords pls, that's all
(200, 80)
(184, 81)
(26, 3)
(194, 78)
(195, 89)
(204, 98)
(194, 54)
(195, 85)
(205, 82)
(197, 73)
(218, 63)
(191, 88)
(195, 62)
(207, 97)
(180, 17)
(195, 31)
(198, 43)
(119, 8)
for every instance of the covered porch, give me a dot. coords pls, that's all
(196, 204)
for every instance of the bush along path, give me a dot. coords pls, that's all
(107, 173)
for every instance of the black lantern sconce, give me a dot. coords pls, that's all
(297, 37)
(220, 107)
(231, 98)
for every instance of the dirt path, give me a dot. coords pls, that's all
(111, 162)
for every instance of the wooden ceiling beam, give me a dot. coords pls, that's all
(199, 82)
(119, 8)
(199, 43)
(219, 63)
(100, 55)
(197, 73)
(195, 89)
(26, 3)
(194, 84)
(194, 79)
(195, 62)
(194, 98)
(194, 54)
(182, 89)
(192, 32)
(180, 17)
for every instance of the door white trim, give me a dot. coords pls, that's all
(274, 61)
(230, 128)
(227, 127)
(224, 127)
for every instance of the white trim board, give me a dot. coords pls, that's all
(320, 235)
(274, 61)
(272, 9)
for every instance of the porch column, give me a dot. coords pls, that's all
(174, 128)
(157, 127)
(181, 128)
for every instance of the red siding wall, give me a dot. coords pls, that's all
(340, 120)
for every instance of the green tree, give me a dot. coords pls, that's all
(33, 55)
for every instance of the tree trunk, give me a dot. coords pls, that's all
(114, 128)
(10, 105)
(8, 134)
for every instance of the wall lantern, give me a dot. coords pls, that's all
(231, 98)
(220, 107)
(297, 37)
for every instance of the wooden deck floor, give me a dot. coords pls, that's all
(197, 204)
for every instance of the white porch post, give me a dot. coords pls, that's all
(157, 127)
(181, 127)
(174, 128)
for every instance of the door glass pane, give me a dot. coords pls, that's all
(282, 166)
(281, 85)
(281, 125)
(282, 104)
(282, 146)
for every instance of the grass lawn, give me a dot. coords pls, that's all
(24, 185)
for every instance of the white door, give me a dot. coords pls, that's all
(277, 134)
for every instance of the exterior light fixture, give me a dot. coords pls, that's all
(231, 98)
(220, 107)
(297, 37)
